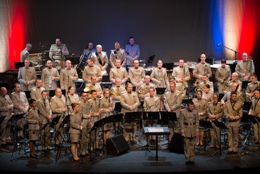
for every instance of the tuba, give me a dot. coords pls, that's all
(114, 92)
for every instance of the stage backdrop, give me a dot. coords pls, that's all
(170, 30)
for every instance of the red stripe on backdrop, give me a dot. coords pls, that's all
(249, 28)
(16, 35)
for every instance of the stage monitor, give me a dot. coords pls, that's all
(168, 65)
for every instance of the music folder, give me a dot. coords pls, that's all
(160, 90)
(151, 115)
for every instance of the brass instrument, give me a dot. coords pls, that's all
(87, 88)
(114, 92)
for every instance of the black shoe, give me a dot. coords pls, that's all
(75, 160)
(37, 154)
(234, 153)
(187, 162)
(192, 162)
(32, 156)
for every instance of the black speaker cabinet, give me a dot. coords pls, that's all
(117, 145)
(177, 143)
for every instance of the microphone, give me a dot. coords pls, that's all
(219, 44)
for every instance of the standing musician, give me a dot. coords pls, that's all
(222, 76)
(106, 109)
(132, 52)
(57, 53)
(189, 127)
(245, 68)
(227, 95)
(130, 103)
(91, 70)
(200, 105)
(172, 102)
(45, 114)
(202, 69)
(214, 113)
(85, 109)
(58, 108)
(26, 76)
(94, 102)
(6, 109)
(118, 72)
(76, 126)
(21, 106)
(152, 104)
(233, 112)
(71, 97)
(255, 111)
(50, 76)
(159, 76)
(25, 53)
(251, 87)
(68, 76)
(100, 59)
(182, 75)
(136, 74)
(89, 50)
(33, 120)
(117, 53)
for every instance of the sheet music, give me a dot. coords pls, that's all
(154, 129)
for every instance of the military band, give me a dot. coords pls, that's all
(96, 102)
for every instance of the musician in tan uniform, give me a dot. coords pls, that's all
(159, 76)
(85, 109)
(21, 106)
(100, 59)
(37, 90)
(199, 84)
(58, 108)
(152, 104)
(117, 53)
(75, 130)
(245, 68)
(222, 77)
(182, 76)
(26, 76)
(71, 97)
(200, 105)
(68, 76)
(189, 128)
(33, 120)
(118, 72)
(93, 85)
(136, 74)
(143, 90)
(214, 113)
(25, 53)
(207, 94)
(130, 103)
(6, 109)
(235, 79)
(94, 102)
(233, 111)
(91, 70)
(50, 76)
(251, 87)
(106, 109)
(45, 114)
(227, 95)
(172, 100)
(202, 69)
(57, 53)
(255, 111)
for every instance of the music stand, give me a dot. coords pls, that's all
(15, 118)
(160, 91)
(251, 120)
(205, 124)
(221, 126)
(131, 117)
(168, 116)
(118, 107)
(244, 84)
(43, 128)
(113, 119)
(18, 65)
(55, 121)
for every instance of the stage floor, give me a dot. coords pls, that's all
(139, 159)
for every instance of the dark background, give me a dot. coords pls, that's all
(169, 29)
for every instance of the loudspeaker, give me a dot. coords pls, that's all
(117, 145)
(177, 143)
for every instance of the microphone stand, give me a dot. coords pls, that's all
(236, 52)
